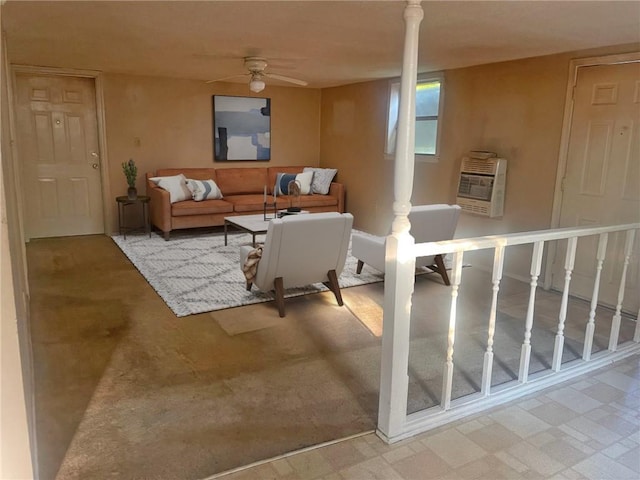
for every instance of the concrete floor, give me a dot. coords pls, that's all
(125, 389)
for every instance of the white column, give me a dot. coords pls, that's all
(400, 258)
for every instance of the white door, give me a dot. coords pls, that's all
(59, 155)
(602, 178)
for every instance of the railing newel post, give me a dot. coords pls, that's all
(400, 254)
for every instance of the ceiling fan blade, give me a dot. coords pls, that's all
(295, 81)
(229, 77)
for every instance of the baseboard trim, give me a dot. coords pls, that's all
(288, 454)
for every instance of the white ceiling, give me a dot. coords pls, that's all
(326, 43)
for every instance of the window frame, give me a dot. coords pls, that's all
(393, 107)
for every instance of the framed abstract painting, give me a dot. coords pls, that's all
(241, 128)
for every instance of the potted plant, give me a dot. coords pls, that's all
(131, 172)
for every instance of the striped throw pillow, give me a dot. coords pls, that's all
(204, 190)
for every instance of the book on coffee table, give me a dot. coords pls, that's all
(284, 213)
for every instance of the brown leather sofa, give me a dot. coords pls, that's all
(243, 194)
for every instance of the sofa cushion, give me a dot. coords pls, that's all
(308, 201)
(247, 203)
(176, 185)
(235, 181)
(204, 207)
(303, 180)
(203, 189)
(322, 178)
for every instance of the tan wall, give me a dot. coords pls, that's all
(513, 108)
(163, 122)
(353, 120)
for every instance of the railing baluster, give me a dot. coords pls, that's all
(525, 354)
(498, 263)
(447, 378)
(569, 263)
(615, 322)
(591, 323)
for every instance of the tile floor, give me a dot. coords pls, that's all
(588, 428)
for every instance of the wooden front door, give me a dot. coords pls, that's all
(602, 178)
(59, 155)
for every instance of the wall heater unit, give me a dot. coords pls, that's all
(481, 186)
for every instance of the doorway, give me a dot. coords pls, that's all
(600, 182)
(60, 167)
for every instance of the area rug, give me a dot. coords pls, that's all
(197, 273)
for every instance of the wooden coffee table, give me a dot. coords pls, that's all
(253, 224)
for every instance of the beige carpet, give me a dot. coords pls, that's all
(124, 389)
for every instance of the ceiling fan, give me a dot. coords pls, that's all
(256, 67)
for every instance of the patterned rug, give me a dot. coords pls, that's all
(195, 272)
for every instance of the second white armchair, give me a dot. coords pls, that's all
(429, 223)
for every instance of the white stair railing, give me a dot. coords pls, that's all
(399, 425)
(401, 252)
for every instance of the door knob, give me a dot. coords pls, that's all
(95, 166)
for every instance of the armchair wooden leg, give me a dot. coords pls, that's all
(279, 287)
(359, 267)
(442, 270)
(334, 286)
(249, 284)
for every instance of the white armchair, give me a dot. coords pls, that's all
(301, 250)
(429, 223)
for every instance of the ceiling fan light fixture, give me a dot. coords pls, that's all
(256, 84)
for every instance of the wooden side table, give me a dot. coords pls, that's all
(123, 202)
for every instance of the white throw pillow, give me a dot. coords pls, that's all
(303, 179)
(203, 190)
(322, 178)
(176, 185)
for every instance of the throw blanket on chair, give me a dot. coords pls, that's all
(251, 263)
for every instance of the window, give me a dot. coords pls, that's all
(428, 108)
